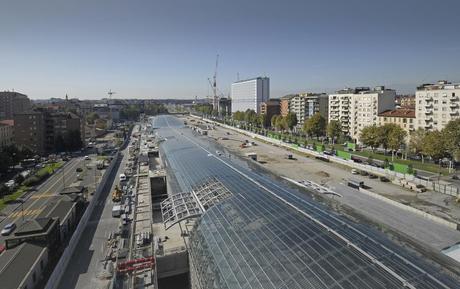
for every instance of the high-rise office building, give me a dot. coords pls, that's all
(250, 93)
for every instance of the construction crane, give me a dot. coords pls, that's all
(215, 100)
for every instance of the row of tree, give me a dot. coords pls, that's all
(388, 136)
(11, 155)
(132, 112)
(437, 144)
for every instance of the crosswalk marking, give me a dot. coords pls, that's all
(44, 195)
(19, 213)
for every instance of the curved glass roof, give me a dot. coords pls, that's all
(268, 236)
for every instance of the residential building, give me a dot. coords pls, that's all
(41, 130)
(250, 93)
(29, 131)
(437, 104)
(406, 101)
(285, 104)
(305, 105)
(12, 103)
(359, 107)
(403, 117)
(270, 108)
(6, 133)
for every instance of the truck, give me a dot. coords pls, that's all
(116, 211)
(116, 194)
(355, 183)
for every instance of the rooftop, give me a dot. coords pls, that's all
(442, 84)
(250, 79)
(15, 264)
(399, 112)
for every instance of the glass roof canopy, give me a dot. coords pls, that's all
(181, 206)
(266, 236)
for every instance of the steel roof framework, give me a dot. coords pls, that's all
(194, 203)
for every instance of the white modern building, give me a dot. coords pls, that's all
(359, 107)
(305, 105)
(250, 93)
(437, 104)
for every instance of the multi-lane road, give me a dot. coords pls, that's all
(37, 200)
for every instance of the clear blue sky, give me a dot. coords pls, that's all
(159, 49)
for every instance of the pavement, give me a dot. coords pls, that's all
(87, 260)
(37, 200)
(427, 232)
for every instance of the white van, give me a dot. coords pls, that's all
(122, 178)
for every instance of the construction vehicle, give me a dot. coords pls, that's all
(116, 194)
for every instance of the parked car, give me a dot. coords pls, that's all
(371, 176)
(363, 173)
(79, 170)
(354, 171)
(8, 229)
(87, 158)
(384, 179)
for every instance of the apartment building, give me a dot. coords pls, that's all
(359, 107)
(39, 130)
(270, 108)
(403, 117)
(250, 93)
(305, 105)
(6, 133)
(285, 103)
(29, 128)
(11, 103)
(437, 104)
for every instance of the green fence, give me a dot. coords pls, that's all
(344, 155)
(400, 168)
(351, 146)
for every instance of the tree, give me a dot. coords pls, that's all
(416, 141)
(291, 120)
(91, 117)
(383, 133)
(433, 144)
(262, 120)
(451, 134)
(370, 136)
(334, 130)
(395, 138)
(315, 125)
(273, 121)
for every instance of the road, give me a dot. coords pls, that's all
(49, 190)
(82, 272)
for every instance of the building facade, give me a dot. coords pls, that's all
(6, 133)
(359, 107)
(285, 104)
(250, 93)
(437, 104)
(12, 103)
(403, 117)
(39, 130)
(305, 105)
(270, 108)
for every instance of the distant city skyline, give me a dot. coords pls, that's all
(167, 49)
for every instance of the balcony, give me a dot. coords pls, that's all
(453, 105)
(429, 99)
(429, 119)
(454, 113)
(454, 98)
(429, 105)
(428, 126)
(428, 112)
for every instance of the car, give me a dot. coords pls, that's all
(87, 158)
(79, 177)
(384, 179)
(363, 173)
(8, 229)
(354, 171)
(371, 176)
(79, 170)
